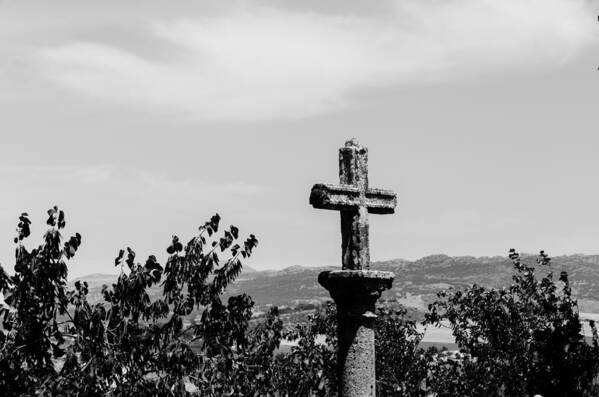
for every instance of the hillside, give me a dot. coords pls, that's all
(415, 285)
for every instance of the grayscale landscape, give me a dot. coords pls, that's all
(318, 198)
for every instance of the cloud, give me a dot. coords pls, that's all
(107, 178)
(151, 183)
(264, 64)
(115, 205)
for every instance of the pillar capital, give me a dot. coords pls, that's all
(351, 287)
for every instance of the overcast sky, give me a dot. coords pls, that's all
(142, 119)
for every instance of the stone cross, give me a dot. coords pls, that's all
(354, 199)
(355, 289)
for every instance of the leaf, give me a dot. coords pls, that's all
(130, 261)
(52, 216)
(61, 221)
(118, 260)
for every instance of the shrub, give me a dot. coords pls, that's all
(53, 342)
(521, 340)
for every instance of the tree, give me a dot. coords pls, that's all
(401, 365)
(521, 340)
(31, 339)
(310, 368)
(53, 342)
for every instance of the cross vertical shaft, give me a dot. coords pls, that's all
(353, 171)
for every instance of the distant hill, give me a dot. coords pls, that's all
(416, 282)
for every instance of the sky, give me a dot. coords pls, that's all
(142, 119)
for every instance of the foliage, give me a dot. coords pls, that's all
(524, 339)
(53, 342)
(309, 369)
(30, 338)
(520, 341)
(401, 365)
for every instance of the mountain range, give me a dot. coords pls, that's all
(416, 282)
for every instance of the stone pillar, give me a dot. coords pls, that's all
(355, 288)
(355, 293)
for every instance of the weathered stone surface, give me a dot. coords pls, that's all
(355, 289)
(344, 197)
(355, 293)
(354, 199)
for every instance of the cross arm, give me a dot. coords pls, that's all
(381, 201)
(346, 197)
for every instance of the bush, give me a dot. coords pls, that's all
(53, 342)
(520, 341)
